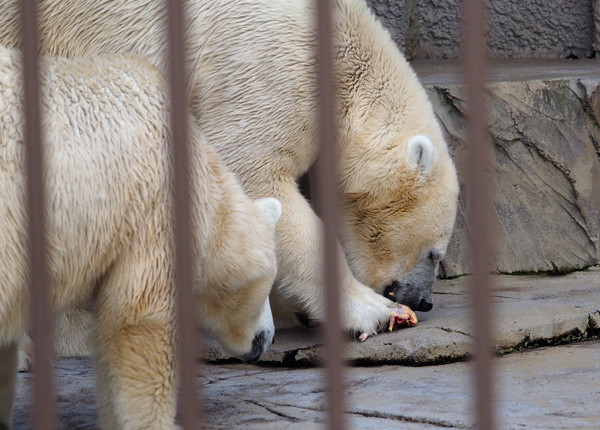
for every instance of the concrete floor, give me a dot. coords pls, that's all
(546, 388)
(553, 387)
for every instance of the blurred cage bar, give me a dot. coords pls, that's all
(190, 410)
(479, 209)
(190, 405)
(327, 203)
(41, 321)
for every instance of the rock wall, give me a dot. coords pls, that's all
(545, 173)
(516, 28)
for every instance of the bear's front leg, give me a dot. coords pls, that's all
(135, 364)
(134, 338)
(300, 265)
(8, 378)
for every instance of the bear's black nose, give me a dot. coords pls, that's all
(425, 306)
(259, 344)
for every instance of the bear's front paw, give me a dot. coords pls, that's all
(401, 315)
(366, 312)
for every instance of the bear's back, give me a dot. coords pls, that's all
(105, 142)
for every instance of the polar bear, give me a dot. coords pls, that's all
(109, 227)
(252, 73)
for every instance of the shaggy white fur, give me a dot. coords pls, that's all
(109, 225)
(252, 80)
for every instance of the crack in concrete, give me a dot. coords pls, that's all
(216, 379)
(449, 99)
(275, 412)
(571, 199)
(453, 330)
(552, 86)
(586, 102)
(588, 109)
(582, 225)
(361, 412)
(450, 293)
(406, 418)
(524, 139)
(502, 144)
(581, 97)
(520, 299)
(533, 148)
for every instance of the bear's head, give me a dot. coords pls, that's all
(399, 211)
(234, 305)
(398, 183)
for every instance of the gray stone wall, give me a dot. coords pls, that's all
(394, 15)
(545, 172)
(516, 28)
(541, 28)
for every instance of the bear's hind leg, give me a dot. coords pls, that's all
(72, 338)
(73, 333)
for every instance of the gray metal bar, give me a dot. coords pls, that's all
(327, 201)
(188, 401)
(479, 202)
(44, 413)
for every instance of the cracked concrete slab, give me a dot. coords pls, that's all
(531, 310)
(542, 388)
(546, 388)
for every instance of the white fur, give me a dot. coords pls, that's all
(252, 71)
(265, 322)
(109, 227)
(271, 209)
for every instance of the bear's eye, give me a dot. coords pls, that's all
(435, 255)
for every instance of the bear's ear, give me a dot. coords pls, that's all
(270, 209)
(378, 174)
(421, 154)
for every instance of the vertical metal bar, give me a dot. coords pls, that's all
(188, 401)
(44, 414)
(327, 201)
(479, 198)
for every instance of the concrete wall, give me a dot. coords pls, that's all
(517, 28)
(544, 173)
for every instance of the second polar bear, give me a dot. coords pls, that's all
(253, 69)
(109, 227)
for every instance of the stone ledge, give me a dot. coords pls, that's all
(530, 311)
(448, 72)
